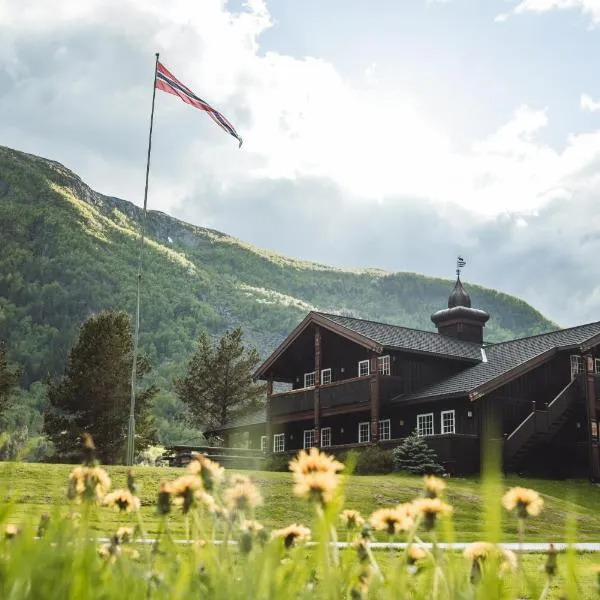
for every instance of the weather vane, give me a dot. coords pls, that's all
(460, 263)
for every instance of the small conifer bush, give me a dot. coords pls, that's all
(413, 455)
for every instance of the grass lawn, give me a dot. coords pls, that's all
(28, 490)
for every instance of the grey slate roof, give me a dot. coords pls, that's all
(503, 358)
(403, 338)
(254, 418)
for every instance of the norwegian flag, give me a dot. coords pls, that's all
(167, 82)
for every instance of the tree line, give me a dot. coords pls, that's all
(94, 392)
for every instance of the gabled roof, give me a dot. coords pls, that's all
(507, 360)
(379, 337)
(256, 417)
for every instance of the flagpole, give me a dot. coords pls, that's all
(131, 428)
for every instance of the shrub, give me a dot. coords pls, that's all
(374, 461)
(277, 462)
(413, 455)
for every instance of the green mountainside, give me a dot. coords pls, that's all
(68, 252)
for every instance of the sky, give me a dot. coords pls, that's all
(393, 134)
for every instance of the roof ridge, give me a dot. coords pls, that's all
(327, 315)
(539, 335)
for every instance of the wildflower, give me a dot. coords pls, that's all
(131, 484)
(313, 461)
(163, 503)
(11, 530)
(207, 500)
(318, 487)
(90, 483)
(478, 552)
(109, 552)
(184, 490)
(292, 534)
(526, 501)
(391, 520)
(242, 496)
(121, 500)
(210, 471)
(124, 534)
(251, 526)
(351, 519)
(362, 550)
(434, 486)
(551, 562)
(132, 553)
(430, 508)
(43, 524)
(415, 554)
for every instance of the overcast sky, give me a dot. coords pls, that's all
(380, 133)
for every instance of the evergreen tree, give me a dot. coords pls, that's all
(413, 455)
(218, 386)
(94, 394)
(9, 378)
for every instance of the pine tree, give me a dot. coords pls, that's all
(218, 386)
(94, 394)
(413, 455)
(9, 378)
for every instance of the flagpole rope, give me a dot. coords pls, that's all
(131, 427)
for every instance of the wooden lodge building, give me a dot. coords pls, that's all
(353, 382)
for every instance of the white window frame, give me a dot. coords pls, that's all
(443, 428)
(279, 442)
(385, 429)
(361, 363)
(264, 443)
(597, 366)
(362, 427)
(307, 377)
(325, 376)
(421, 430)
(577, 365)
(309, 438)
(383, 365)
(325, 433)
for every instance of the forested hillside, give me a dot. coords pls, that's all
(68, 252)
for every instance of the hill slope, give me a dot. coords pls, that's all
(68, 251)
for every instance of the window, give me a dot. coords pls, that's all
(448, 421)
(309, 379)
(383, 365)
(577, 365)
(264, 443)
(425, 424)
(309, 438)
(385, 429)
(279, 442)
(597, 366)
(325, 437)
(363, 368)
(325, 376)
(364, 432)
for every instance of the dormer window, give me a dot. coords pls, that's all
(364, 368)
(309, 379)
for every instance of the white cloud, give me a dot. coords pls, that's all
(587, 7)
(588, 103)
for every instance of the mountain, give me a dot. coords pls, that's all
(68, 252)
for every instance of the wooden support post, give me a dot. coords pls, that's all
(269, 428)
(592, 420)
(317, 397)
(375, 379)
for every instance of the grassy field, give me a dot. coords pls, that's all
(31, 489)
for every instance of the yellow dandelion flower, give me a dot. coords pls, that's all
(89, 483)
(210, 471)
(121, 500)
(430, 509)
(313, 461)
(390, 520)
(207, 500)
(509, 561)
(109, 552)
(318, 487)
(242, 496)
(292, 534)
(125, 534)
(478, 550)
(251, 526)
(184, 491)
(434, 486)
(415, 553)
(11, 530)
(163, 502)
(351, 519)
(526, 501)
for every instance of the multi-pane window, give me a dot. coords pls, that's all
(364, 432)
(385, 429)
(383, 364)
(279, 442)
(577, 365)
(264, 443)
(425, 424)
(325, 376)
(309, 438)
(309, 379)
(448, 421)
(363, 368)
(597, 366)
(325, 437)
